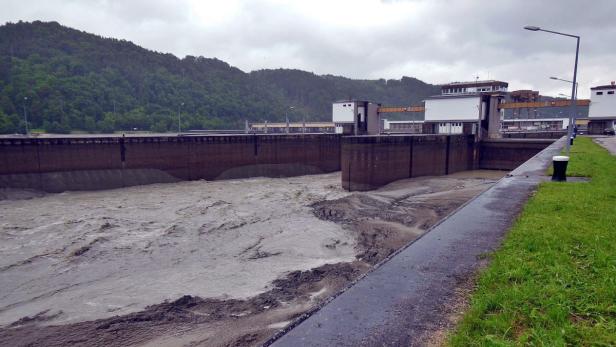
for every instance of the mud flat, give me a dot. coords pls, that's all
(201, 263)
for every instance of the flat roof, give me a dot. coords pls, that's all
(455, 96)
(475, 83)
(354, 100)
(524, 91)
(607, 86)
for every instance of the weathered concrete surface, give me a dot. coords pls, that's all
(535, 135)
(369, 162)
(89, 163)
(402, 300)
(507, 154)
(608, 143)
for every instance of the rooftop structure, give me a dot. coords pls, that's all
(524, 95)
(458, 88)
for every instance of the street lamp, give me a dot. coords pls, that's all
(26, 116)
(287, 116)
(179, 126)
(564, 80)
(573, 83)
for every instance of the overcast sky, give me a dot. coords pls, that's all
(435, 41)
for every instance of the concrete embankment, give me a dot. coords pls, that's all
(508, 154)
(406, 299)
(59, 164)
(369, 162)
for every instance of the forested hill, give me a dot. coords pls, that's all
(74, 80)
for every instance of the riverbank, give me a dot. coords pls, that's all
(552, 281)
(201, 262)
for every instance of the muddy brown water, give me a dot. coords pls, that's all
(226, 263)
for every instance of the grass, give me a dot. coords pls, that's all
(553, 281)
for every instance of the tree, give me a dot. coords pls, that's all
(6, 124)
(75, 79)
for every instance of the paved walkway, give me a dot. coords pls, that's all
(402, 301)
(608, 142)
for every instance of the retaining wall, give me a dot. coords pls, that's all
(507, 154)
(535, 135)
(59, 164)
(369, 162)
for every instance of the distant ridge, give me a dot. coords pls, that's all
(74, 80)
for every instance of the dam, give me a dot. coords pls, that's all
(93, 163)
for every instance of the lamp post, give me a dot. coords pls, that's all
(26, 116)
(287, 116)
(573, 83)
(179, 125)
(564, 80)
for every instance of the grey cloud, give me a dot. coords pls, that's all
(436, 41)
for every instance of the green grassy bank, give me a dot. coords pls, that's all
(553, 281)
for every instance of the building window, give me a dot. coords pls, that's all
(599, 93)
(611, 92)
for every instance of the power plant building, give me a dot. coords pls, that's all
(356, 117)
(482, 108)
(464, 107)
(602, 113)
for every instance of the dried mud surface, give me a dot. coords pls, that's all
(372, 224)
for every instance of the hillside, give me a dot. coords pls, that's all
(74, 80)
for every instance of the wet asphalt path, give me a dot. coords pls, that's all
(402, 301)
(608, 142)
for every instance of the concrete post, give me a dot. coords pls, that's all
(287, 124)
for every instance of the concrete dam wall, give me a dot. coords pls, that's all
(369, 162)
(507, 154)
(60, 164)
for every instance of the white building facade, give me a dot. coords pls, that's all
(450, 113)
(463, 107)
(602, 112)
(355, 117)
